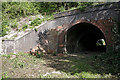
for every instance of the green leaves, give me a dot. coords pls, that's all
(14, 24)
(83, 5)
(107, 62)
(25, 26)
(16, 10)
(5, 27)
(13, 10)
(36, 22)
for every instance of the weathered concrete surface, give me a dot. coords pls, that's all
(22, 43)
(0, 45)
(51, 35)
(0, 58)
(26, 42)
(8, 46)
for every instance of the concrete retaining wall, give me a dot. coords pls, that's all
(8, 46)
(22, 43)
(26, 42)
(0, 45)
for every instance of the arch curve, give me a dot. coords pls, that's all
(83, 37)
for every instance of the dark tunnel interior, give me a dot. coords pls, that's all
(83, 37)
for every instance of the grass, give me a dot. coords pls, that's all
(14, 24)
(5, 75)
(24, 65)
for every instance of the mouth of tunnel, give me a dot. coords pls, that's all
(85, 37)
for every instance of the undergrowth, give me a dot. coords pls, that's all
(107, 63)
(104, 65)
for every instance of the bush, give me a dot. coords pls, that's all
(25, 26)
(36, 22)
(83, 5)
(5, 27)
(12, 10)
(108, 63)
(14, 25)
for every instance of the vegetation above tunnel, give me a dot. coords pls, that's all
(13, 11)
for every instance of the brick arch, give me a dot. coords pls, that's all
(100, 26)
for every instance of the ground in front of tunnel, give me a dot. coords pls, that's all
(77, 65)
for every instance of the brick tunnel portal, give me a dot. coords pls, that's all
(85, 37)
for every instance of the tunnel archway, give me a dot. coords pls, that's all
(84, 37)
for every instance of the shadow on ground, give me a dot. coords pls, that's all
(75, 64)
(80, 65)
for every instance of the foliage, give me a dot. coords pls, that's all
(107, 63)
(25, 26)
(14, 24)
(0, 30)
(4, 75)
(77, 66)
(88, 75)
(5, 27)
(62, 9)
(36, 22)
(12, 10)
(31, 27)
(47, 8)
(83, 5)
(17, 63)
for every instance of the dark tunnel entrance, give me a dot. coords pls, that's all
(85, 37)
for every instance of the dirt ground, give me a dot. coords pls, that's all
(24, 65)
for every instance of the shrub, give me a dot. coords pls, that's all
(108, 62)
(25, 26)
(62, 9)
(14, 25)
(4, 75)
(36, 22)
(31, 27)
(5, 27)
(12, 10)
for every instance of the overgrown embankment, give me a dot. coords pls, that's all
(14, 12)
